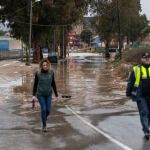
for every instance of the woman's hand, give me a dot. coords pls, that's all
(34, 98)
(58, 98)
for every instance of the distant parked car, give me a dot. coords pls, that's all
(45, 52)
(113, 52)
(52, 57)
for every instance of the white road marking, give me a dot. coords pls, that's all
(123, 146)
(4, 65)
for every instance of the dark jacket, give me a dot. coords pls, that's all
(130, 87)
(36, 80)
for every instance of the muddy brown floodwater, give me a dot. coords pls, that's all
(97, 94)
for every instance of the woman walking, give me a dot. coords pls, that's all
(44, 82)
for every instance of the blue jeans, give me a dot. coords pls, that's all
(144, 111)
(45, 103)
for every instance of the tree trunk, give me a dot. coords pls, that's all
(107, 55)
(37, 53)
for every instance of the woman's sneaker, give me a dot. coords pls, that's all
(44, 129)
(146, 136)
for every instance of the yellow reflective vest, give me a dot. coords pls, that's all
(140, 72)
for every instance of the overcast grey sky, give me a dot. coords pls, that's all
(146, 7)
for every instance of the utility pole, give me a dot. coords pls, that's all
(30, 32)
(54, 41)
(119, 30)
(63, 43)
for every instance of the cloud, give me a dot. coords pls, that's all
(145, 8)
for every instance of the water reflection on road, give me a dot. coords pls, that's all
(97, 94)
(91, 83)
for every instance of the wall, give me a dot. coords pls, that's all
(15, 44)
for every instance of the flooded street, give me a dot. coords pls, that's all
(98, 116)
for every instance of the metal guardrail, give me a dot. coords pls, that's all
(11, 54)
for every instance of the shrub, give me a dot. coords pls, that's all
(133, 56)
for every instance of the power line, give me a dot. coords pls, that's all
(44, 25)
(20, 9)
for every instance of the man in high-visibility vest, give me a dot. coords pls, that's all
(138, 88)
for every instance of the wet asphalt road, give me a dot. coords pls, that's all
(97, 117)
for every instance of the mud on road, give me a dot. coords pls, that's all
(98, 116)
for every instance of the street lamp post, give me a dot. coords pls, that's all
(30, 31)
(63, 44)
(119, 30)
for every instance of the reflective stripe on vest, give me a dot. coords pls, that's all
(138, 71)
